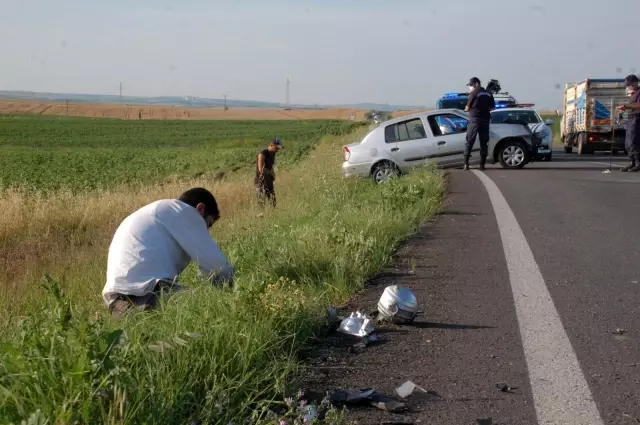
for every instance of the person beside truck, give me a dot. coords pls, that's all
(632, 137)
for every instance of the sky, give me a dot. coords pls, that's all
(406, 52)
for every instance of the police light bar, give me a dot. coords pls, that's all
(454, 95)
(525, 105)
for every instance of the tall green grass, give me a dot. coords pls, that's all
(214, 354)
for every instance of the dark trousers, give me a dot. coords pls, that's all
(480, 130)
(265, 190)
(125, 303)
(632, 140)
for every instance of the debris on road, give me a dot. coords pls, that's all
(505, 388)
(310, 413)
(400, 422)
(619, 331)
(631, 417)
(368, 395)
(356, 324)
(398, 304)
(487, 421)
(406, 389)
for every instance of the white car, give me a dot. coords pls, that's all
(400, 144)
(542, 129)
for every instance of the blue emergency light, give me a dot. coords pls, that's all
(453, 95)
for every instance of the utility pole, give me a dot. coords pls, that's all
(67, 102)
(288, 100)
(225, 102)
(120, 90)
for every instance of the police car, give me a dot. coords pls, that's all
(525, 115)
(508, 111)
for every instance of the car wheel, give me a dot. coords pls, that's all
(615, 152)
(383, 172)
(568, 149)
(513, 154)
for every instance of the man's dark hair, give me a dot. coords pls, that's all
(200, 195)
(630, 79)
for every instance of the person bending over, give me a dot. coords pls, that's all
(153, 246)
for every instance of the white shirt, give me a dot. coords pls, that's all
(158, 241)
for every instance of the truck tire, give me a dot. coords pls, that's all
(513, 154)
(582, 145)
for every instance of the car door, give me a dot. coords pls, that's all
(449, 132)
(408, 143)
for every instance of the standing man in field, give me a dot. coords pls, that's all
(632, 140)
(265, 175)
(153, 246)
(479, 105)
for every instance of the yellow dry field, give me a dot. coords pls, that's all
(135, 112)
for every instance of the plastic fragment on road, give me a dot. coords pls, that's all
(367, 395)
(310, 413)
(406, 389)
(356, 324)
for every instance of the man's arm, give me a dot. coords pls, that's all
(493, 102)
(470, 100)
(260, 163)
(190, 231)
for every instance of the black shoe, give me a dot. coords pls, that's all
(629, 167)
(635, 169)
(481, 167)
(466, 167)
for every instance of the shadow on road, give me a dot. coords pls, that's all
(433, 325)
(458, 213)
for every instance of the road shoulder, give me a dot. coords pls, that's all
(464, 343)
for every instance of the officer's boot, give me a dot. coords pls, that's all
(631, 165)
(483, 160)
(466, 162)
(636, 159)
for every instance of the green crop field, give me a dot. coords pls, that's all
(82, 154)
(211, 355)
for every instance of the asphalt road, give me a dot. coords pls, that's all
(524, 280)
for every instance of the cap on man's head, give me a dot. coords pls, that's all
(474, 80)
(277, 142)
(630, 79)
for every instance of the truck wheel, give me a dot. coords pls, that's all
(582, 145)
(568, 149)
(513, 154)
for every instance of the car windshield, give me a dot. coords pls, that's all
(456, 103)
(501, 117)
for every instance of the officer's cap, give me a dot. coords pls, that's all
(630, 79)
(474, 80)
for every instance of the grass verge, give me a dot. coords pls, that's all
(212, 355)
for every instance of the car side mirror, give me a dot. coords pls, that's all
(549, 122)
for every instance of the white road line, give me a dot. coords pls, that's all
(606, 163)
(560, 392)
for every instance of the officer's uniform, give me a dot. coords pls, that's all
(480, 104)
(632, 139)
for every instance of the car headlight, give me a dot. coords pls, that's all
(542, 134)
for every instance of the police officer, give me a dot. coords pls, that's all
(479, 105)
(632, 140)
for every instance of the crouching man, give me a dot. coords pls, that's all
(152, 247)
